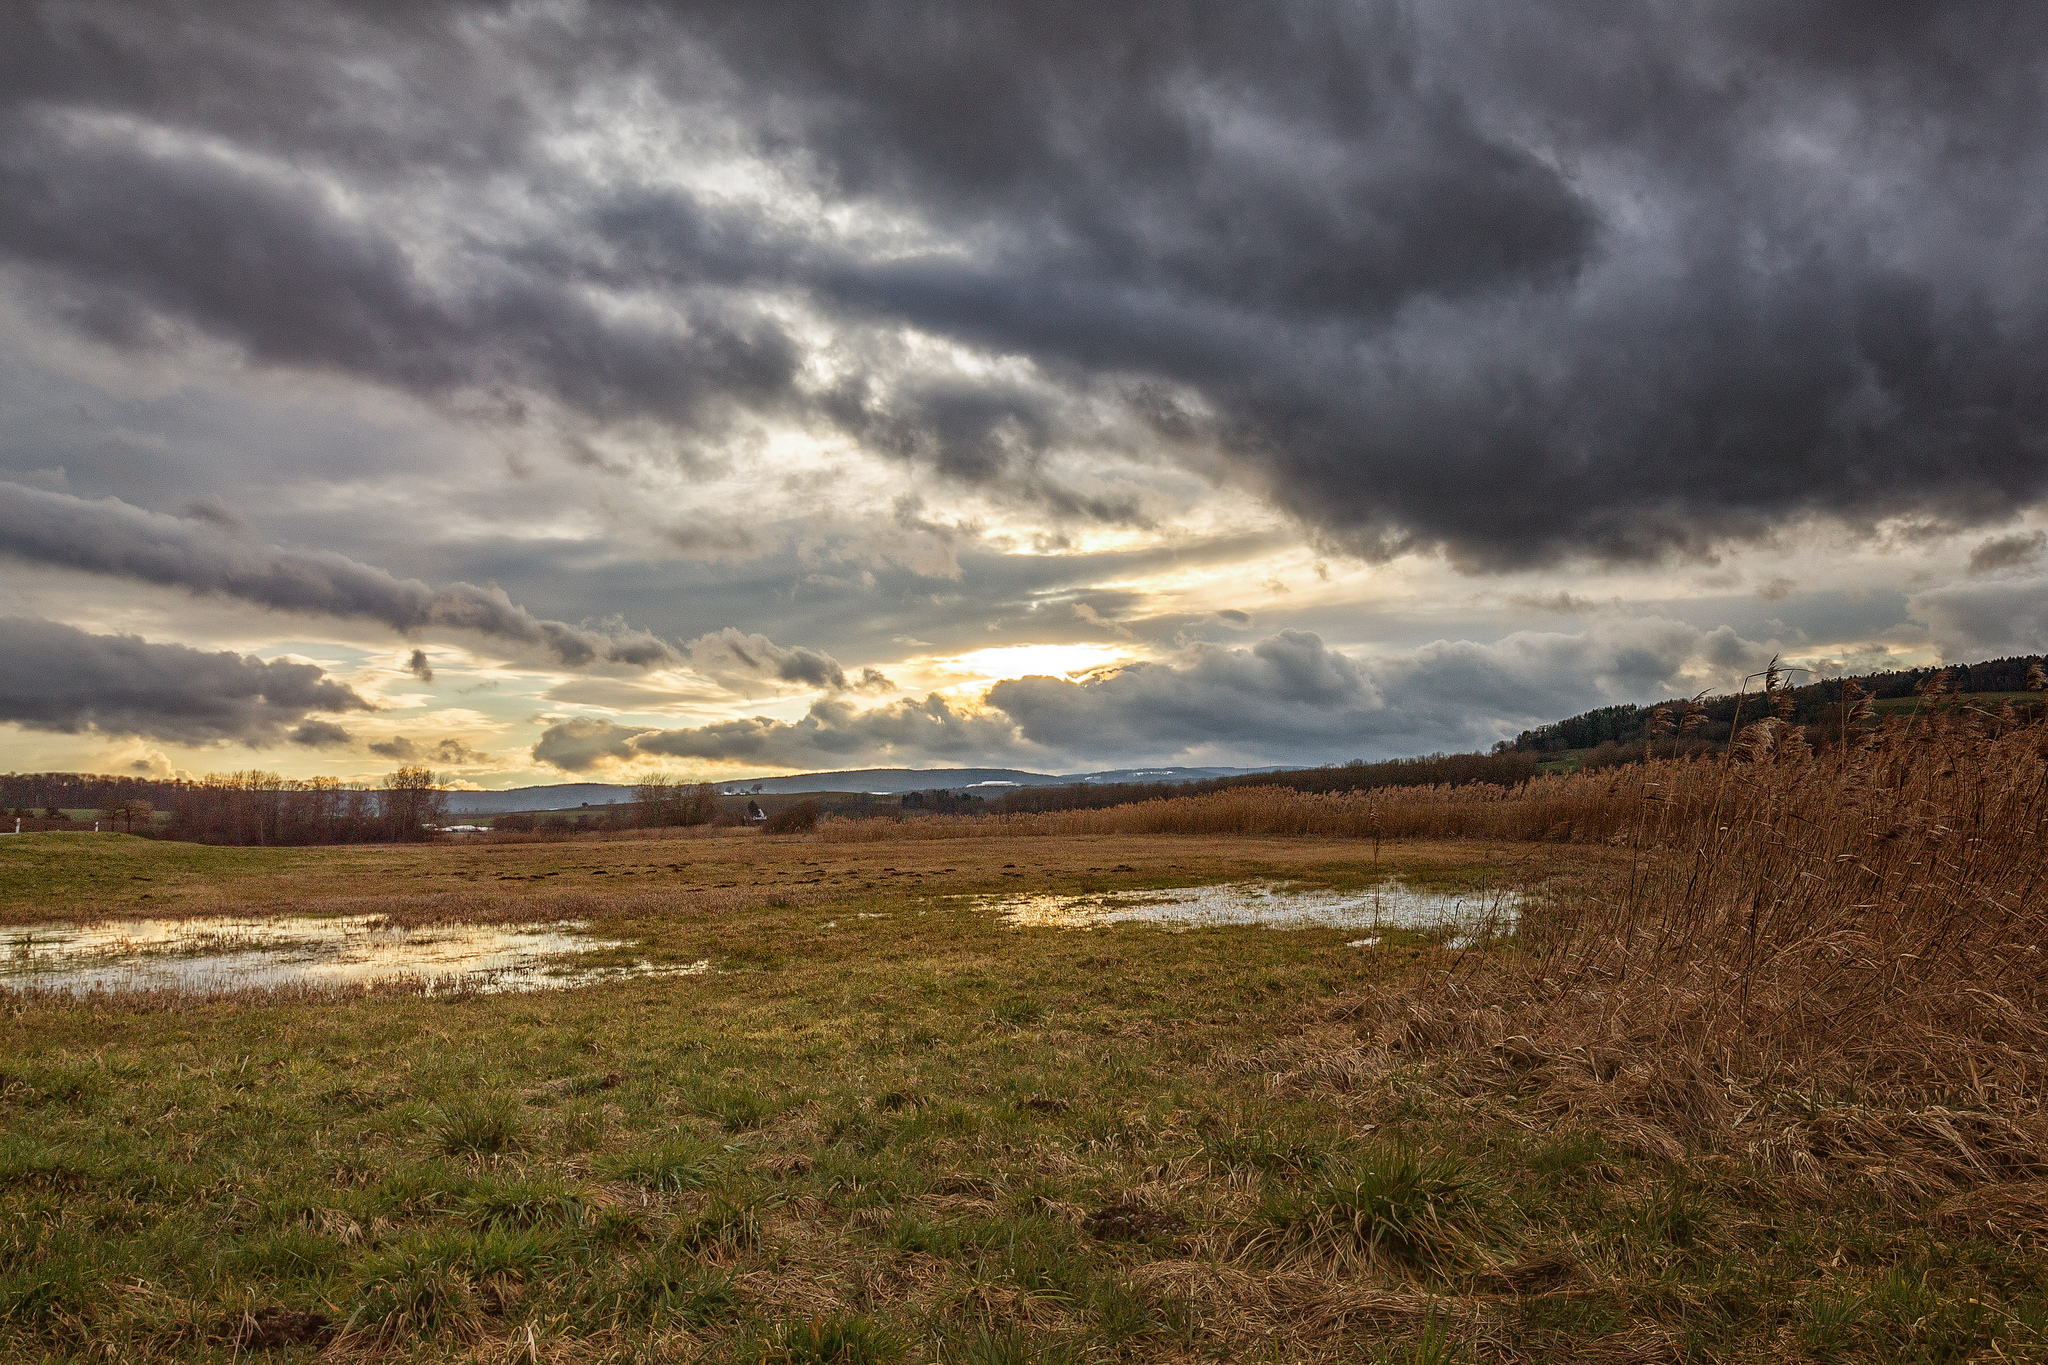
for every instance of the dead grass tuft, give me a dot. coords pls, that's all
(2016, 1213)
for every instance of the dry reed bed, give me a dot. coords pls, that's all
(1831, 966)
(1589, 807)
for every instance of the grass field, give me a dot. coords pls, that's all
(887, 1127)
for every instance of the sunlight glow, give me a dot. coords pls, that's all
(1022, 661)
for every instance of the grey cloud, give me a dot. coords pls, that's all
(834, 731)
(57, 677)
(736, 658)
(215, 511)
(1288, 698)
(428, 90)
(1086, 611)
(1561, 602)
(419, 666)
(708, 540)
(2005, 552)
(406, 750)
(833, 734)
(1971, 621)
(997, 598)
(1430, 276)
(579, 745)
(136, 238)
(1348, 233)
(320, 734)
(108, 536)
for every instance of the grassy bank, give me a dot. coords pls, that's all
(1675, 1121)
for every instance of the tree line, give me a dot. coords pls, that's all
(247, 807)
(83, 791)
(1622, 733)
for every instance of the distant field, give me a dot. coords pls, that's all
(887, 1127)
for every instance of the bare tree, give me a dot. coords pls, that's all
(656, 798)
(413, 802)
(125, 811)
(665, 801)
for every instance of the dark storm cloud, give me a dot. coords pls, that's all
(56, 677)
(1513, 282)
(1288, 698)
(107, 536)
(137, 237)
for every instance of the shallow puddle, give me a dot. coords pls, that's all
(207, 956)
(1390, 905)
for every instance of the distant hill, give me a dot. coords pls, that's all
(874, 781)
(1813, 703)
(565, 796)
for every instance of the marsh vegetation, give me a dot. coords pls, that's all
(1757, 1075)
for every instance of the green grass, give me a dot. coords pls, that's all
(882, 1142)
(475, 1127)
(54, 871)
(1422, 1211)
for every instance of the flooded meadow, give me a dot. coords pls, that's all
(218, 954)
(1390, 904)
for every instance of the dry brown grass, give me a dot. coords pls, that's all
(1831, 967)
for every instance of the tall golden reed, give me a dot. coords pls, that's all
(1835, 964)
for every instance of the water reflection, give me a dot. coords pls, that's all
(205, 956)
(1389, 905)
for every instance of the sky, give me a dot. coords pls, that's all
(586, 391)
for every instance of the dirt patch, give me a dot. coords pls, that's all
(270, 1329)
(1131, 1222)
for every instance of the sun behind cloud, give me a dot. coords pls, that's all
(978, 668)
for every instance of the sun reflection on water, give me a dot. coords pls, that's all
(219, 954)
